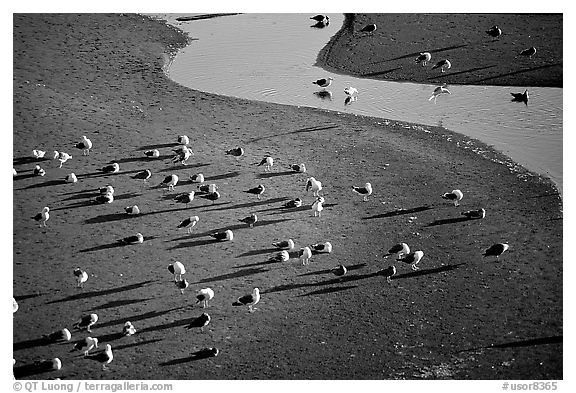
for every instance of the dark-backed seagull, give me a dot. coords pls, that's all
(368, 28)
(104, 357)
(132, 210)
(293, 203)
(81, 277)
(496, 250)
(438, 91)
(197, 178)
(324, 82)
(236, 152)
(528, 52)
(423, 58)
(250, 220)
(399, 249)
(210, 188)
(58, 336)
(43, 216)
(170, 181)
(189, 223)
(284, 244)
(204, 295)
(494, 31)
(301, 168)
(365, 191)
(112, 168)
(108, 189)
(268, 162)
(258, 190)
(183, 140)
(182, 155)
(181, 284)
(128, 329)
(185, 198)
(474, 214)
(104, 198)
(38, 171)
(86, 322)
(177, 269)
(319, 248)
(134, 239)
(143, 175)
(85, 145)
(320, 18)
(455, 196)
(71, 178)
(223, 236)
(281, 256)
(200, 322)
(87, 344)
(412, 258)
(213, 196)
(521, 97)
(339, 270)
(249, 300)
(154, 153)
(443, 65)
(206, 353)
(388, 272)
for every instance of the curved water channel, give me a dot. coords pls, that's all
(270, 57)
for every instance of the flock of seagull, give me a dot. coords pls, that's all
(210, 192)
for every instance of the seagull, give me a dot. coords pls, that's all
(14, 173)
(155, 153)
(423, 58)
(104, 198)
(284, 244)
(438, 91)
(143, 175)
(281, 256)
(412, 258)
(87, 344)
(132, 210)
(38, 171)
(104, 357)
(42, 216)
(250, 220)
(85, 145)
(71, 178)
(183, 140)
(496, 250)
(108, 189)
(213, 196)
(200, 322)
(210, 188)
(134, 239)
(38, 154)
(14, 305)
(528, 52)
(321, 24)
(177, 269)
(206, 353)
(399, 249)
(81, 276)
(443, 65)
(339, 270)
(317, 206)
(388, 272)
(455, 195)
(48, 364)
(369, 28)
(198, 178)
(182, 155)
(494, 31)
(293, 203)
(86, 322)
(204, 295)
(480, 213)
(185, 198)
(321, 248)
(321, 18)
(236, 152)
(189, 223)
(62, 157)
(170, 181)
(182, 285)
(366, 190)
(301, 168)
(521, 97)
(350, 91)
(323, 82)
(258, 190)
(58, 336)
(112, 168)
(249, 300)
(128, 329)
(305, 254)
(223, 236)
(268, 162)
(315, 185)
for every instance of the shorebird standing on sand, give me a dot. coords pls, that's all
(324, 82)
(443, 65)
(423, 58)
(438, 91)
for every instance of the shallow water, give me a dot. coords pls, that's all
(270, 57)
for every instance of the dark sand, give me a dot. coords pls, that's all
(460, 316)
(477, 58)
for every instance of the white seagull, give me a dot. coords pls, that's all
(128, 329)
(351, 91)
(154, 153)
(62, 157)
(43, 216)
(177, 269)
(305, 254)
(170, 181)
(314, 185)
(317, 206)
(438, 91)
(204, 295)
(443, 65)
(14, 305)
(132, 210)
(86, 322)
(71, 178)
(38, 154)
(413, 258)
(183, 140)
(249, 300)
(365, 191)
(38, 171)
(81, 277)
(455, 196)
(268, 162)
(85, 145)
(87, 344)
(423, 58)
(189, 223)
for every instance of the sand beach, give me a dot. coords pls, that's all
(460, 316)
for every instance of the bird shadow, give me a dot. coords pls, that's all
(195, 243)
(274, 174)
(29, 370)
(370, 74)
(228, 276)
(449, 221)
(28, 160)
(29, 296)
(198, 355)
(301, 130)
(176, 167)
(117, 244)
(109, 218)
(266, 262)
(258, 252)
(328, 290)
(222, 176)
(414, 54)
(174, 324)
(37, 342)
(118, 303)
(141, 159)
(24, 176)
(399, 212)
(425, 272)
(326, 271)
(517, 72)
(158, 146)
(137, 344)
(84, 295)
(344, 279)
(81, 195)
(251, 204)
(136, 318)
(45, 184)
(520, 344)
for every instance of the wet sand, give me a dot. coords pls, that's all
(461, 316)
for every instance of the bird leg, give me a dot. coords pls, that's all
(414, 267)
(365, 199)
(389, 279)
